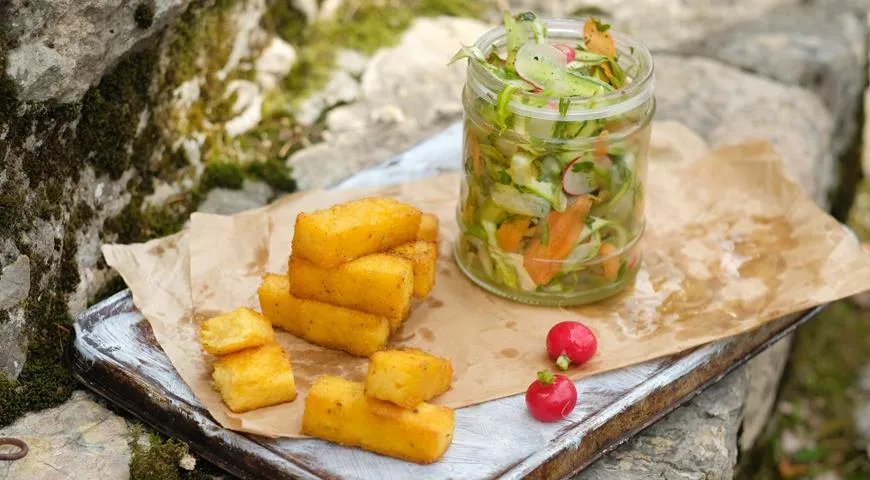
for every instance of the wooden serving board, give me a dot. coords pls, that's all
(115, 354)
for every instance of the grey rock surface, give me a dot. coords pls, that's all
(661, 24)
(12, 354)
(274, 62)
(79, 439)
(820, 48)
(862, 411)
(862, 420)
(728, 106)
(341, 88)
(695, 442)
(407, 94)
(14, 288)
(763, 375)
(14, 282)
(62, 47)
(223, 201)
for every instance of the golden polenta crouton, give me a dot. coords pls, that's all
(337, 410)
(235, 330)
(380, 284)
(423, 255)
(407, 377)
(255, 378)
(428, 228)
(354, 229)
(330, 326)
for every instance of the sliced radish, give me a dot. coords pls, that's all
(569, 52)
(540, 64)
(579, 178)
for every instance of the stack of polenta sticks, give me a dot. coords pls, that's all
(353, 271)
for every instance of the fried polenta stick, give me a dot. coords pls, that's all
(339, 411)
(407, 377)
(234, 331)
(380, 284)
(423, 255)
(351, 230)
(330, 326)
(255, 378)
(428, 228)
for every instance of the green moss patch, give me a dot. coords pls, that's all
(157, 458)
(143, 15)
(221, 173)
(363, 25)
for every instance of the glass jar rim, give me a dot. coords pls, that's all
(487, 85)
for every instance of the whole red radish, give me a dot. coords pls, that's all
(571, 343)
(569, 52)
(551, 398)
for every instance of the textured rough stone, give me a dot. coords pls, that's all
(14, 282)
(661, 24)
(728, 106)
(763, 374)
(79, 439)
(248, 107)
(62, 47)
(392, 86)
(862, 420)
(351, 61)
(12, 354)
(864, 379)
(247, 35)
(107, 199)
(14, 288)
(223, 201)
(697, 441)
(274, 62)
(341, 88)
(820, 48)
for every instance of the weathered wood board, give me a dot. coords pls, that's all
(115, 354)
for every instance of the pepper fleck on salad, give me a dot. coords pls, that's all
(552, 204)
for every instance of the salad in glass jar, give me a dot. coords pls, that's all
(557, 125)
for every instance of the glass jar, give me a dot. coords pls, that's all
(552, 200)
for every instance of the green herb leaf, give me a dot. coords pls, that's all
(560, 129)
(471, 52)
(539, 30)
(516, 36)
(564, 105)
(545, 233)
(618, 74)
(583, 167)
(503, 101)
(622, 268)
(526, 17)
(602, 27)
(503, 177)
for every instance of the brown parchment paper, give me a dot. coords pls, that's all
(730, 244)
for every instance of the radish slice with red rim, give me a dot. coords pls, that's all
(540, 64)
(578, 177)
